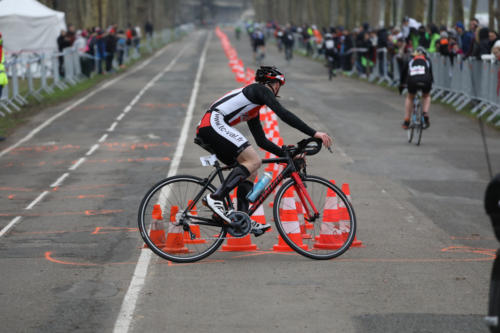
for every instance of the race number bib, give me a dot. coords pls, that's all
(417, 70)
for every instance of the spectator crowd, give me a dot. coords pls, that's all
(101, 50)
(358, 47)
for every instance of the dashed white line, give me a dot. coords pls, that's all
(125, 316)
(103, 138)
(92, 149)
(120, 117)
(112, 127)
(127, 109)
(37, 200)
(77, 164)
(10, 225)
(59, 181)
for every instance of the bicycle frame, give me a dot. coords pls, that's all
(299, 187)
(289, 169)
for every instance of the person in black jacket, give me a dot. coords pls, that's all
(417, 75)
(110, 49)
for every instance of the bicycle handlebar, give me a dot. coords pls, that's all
(305, 147)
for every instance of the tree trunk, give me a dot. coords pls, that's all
(409, 8)
(473, 8)
(497, 15)
(387, 12)
(458, 11)
(442, 10)
(341, 13)
(419, 10)
(491, 14)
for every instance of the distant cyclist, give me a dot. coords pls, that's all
(288, 42)
(330, 52)
(417, 75)
(258, 44)
(216, 134)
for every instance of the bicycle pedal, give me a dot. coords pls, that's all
(258, 233)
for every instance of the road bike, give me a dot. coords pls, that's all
(330, 64)
(417, 121)
(288, 53)
(260, 55)
(312, 215)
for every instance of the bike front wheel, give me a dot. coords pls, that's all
(325, 235)
(173, 231)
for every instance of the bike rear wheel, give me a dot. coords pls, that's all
(409, 131)
(419, 126)
(328, 235)
(161, 220)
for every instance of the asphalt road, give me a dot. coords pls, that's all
(73, 177)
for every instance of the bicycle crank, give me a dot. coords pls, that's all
(240, 224)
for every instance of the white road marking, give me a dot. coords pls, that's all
(103, 138)
(77, 164)
(37, 200)
(59, 180)
(92, 149)
(112, 127)
(125, 316)
(10, 225)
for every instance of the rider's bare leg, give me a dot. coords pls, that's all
(251, 160)
(426, 103)
(408, 105)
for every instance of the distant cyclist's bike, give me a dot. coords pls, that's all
(417, 122)
(260, 55)
(312, 215)
(330, 64)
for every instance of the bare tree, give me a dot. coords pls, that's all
(409, 8)
(497, 15)
(419, 10)
(442, 10)
(341, 13)
(473, 8)
(491, 14)
(458, 11)
(387, 12)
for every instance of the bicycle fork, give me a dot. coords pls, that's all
(301, 190)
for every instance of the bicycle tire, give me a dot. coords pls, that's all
(420, 124)
(175, 244)
(409, 131)
(326, 239)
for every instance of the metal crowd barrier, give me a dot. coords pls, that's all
(465, 81)
(41, 76)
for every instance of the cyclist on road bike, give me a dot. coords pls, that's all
(417, 75)
(258, 44)
(216, 134)
(288, 41)
(330, 51)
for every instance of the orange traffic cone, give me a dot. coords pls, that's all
(242, 244)
(175, 239)
(344, 217)
(195, 229)
(304, 225)
(157, 234)
(290, 221)
(259, 216)
(330, 236)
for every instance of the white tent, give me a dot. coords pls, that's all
(27, 25)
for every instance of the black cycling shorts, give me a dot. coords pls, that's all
(415, 86)
(224, 141)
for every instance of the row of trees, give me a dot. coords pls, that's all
(351, 13)
(88, 13)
